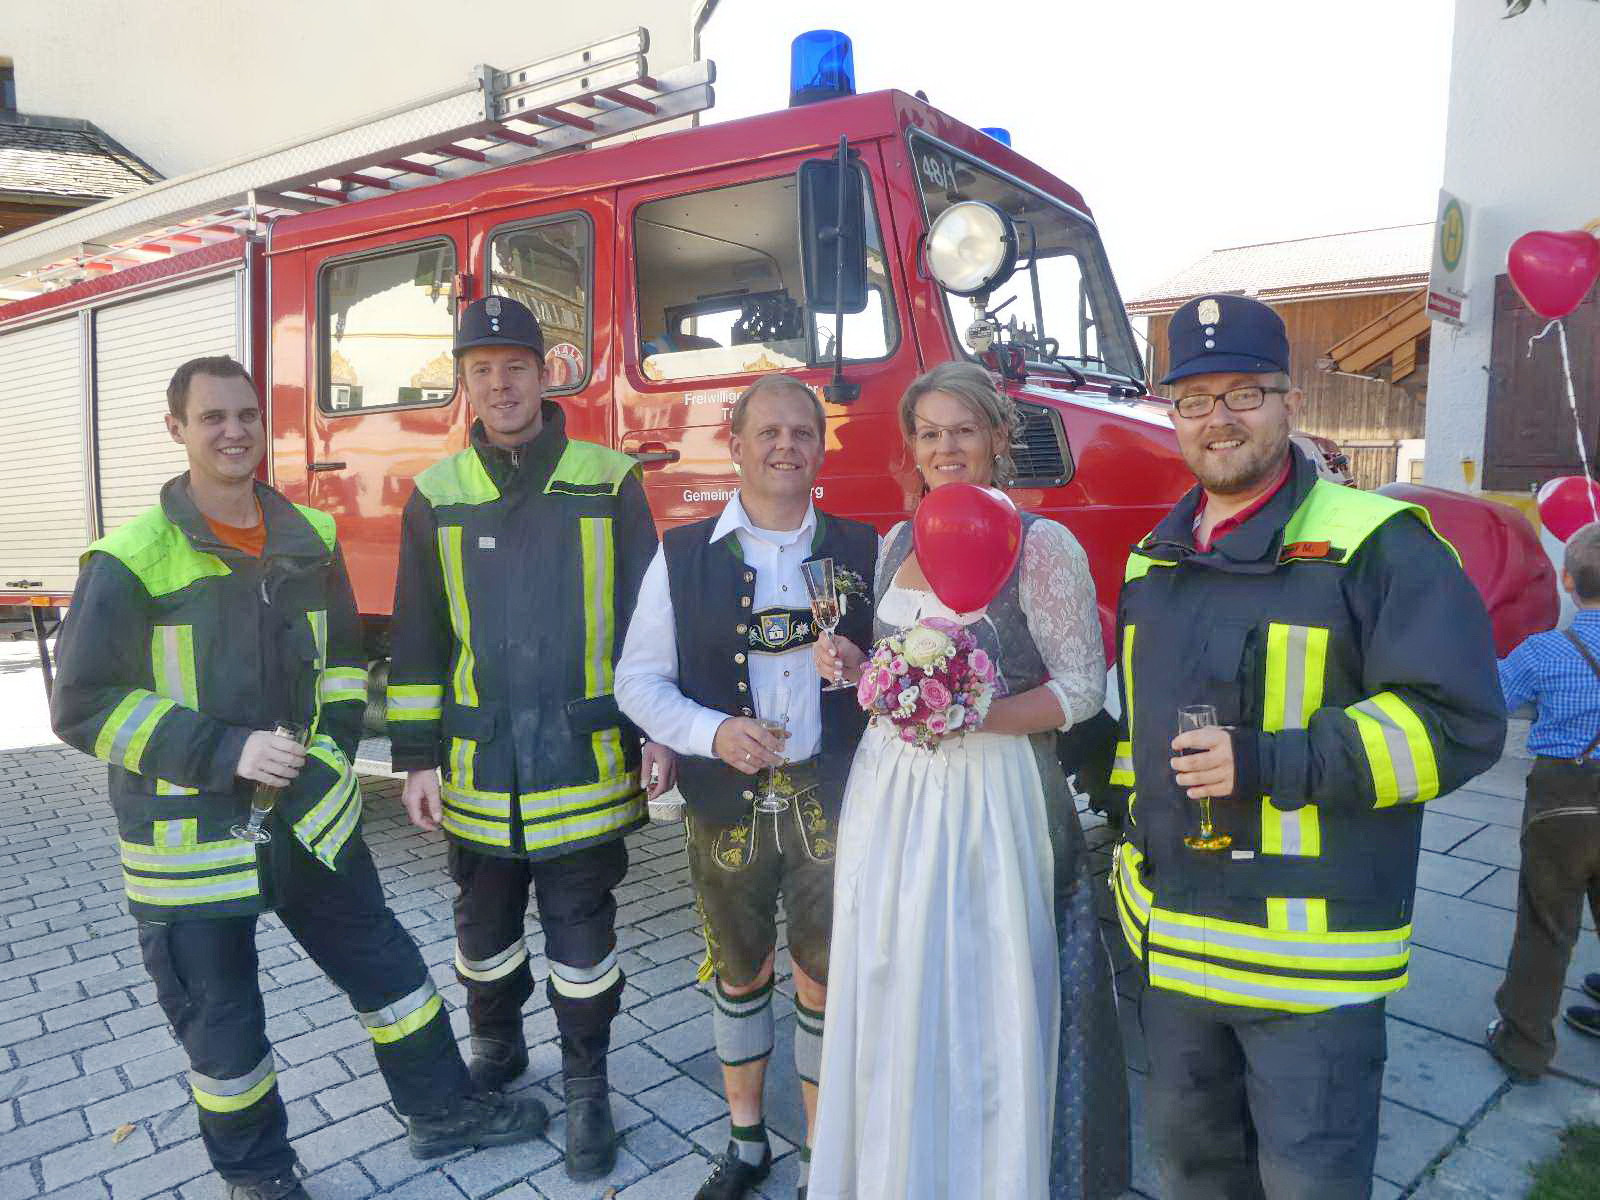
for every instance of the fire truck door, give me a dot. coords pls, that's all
(381, 387)
(713, 298)
(556, 258)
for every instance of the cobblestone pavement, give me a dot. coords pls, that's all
(84, 1050)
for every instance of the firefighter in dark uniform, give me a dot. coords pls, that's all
(196, 628)
(1350, 664)
(519, 562)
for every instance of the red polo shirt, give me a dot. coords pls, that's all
(1228, 524)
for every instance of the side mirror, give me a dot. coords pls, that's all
(833, 283)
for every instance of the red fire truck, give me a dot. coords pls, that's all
(851, 240)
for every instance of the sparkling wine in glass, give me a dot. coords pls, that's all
(1202, 716)
(774, 798)
(824, 592)
(265, 797)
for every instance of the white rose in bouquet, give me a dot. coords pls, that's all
(925, 647)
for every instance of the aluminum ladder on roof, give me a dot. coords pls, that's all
(499, 117)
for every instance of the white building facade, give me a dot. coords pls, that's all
(1521, 155)
(188, 84)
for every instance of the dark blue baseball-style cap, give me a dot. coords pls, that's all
(1225, 333)
(498, 321)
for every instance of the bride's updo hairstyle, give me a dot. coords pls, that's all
(974, 387)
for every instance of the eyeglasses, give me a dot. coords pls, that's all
(1242, 399)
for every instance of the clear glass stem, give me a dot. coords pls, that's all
(1205, 817)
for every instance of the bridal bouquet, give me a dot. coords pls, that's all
(930, 682)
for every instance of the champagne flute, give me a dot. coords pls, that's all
(824, 592)
(1202, 716)
(265, 797)
(773, 800)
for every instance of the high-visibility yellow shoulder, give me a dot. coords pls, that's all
(459, 479)
(158, 553)
(588, 468)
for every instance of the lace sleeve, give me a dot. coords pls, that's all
(881, 583)
(1058, 601)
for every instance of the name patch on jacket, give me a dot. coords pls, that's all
(778, 630)
(1296, 550)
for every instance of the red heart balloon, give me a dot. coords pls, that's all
(1564, 505)
(967, 540)
(1553, 272)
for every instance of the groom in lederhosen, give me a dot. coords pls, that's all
(722, 638)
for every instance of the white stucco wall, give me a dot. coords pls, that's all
(1521, 154)
(190, 83)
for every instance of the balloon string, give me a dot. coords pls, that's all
(1560, 327)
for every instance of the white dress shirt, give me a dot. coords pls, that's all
(647, 674)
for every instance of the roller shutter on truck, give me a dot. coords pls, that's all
(138, 345)
(44, 491)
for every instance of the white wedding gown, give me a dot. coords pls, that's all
(940, 1047)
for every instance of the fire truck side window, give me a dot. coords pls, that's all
(385, 329)
(547, 267)
(720, 288)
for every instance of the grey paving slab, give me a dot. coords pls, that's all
(1442, 832)
(1497, 844)
(1452, 876)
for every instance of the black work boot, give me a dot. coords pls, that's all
(496, 1061)
(591, 1135)
(732, 1178)
(484, 1119)
(279, 1187)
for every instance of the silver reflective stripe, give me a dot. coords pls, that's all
(1297, 913)
(402, 1008)
(185, 892)
(1289, 833)
(213, 1086)
(416, 702)
(333, 841)
(1405, 767)
(553, 807)
(242, 855)
(573, 974)
(1213, 938)
(130, 725)
(1293, 991)
(1294, 681)
(512, 954)
(606, 819)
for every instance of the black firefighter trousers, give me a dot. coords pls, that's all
(579, 916)
(1244, 1103)
(205, 972)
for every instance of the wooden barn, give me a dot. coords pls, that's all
(1358, 335)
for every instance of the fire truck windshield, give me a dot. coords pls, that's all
(1075, 316)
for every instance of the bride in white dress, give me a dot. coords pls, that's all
(971, 1028)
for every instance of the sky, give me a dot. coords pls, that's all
(1186, 126)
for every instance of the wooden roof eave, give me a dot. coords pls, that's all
(1395, 336)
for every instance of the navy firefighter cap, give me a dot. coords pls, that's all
(498, 321)
(1225, 333)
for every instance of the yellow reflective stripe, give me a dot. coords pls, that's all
(584, 826)
(1122, 765)
(343, 683)
(1292, 831)
(1224, 985)
(496, 966)
(582, 983)
(489, 804)
(1296, 674)
(233, 1095)
(464, 768)
(1297, 915)
(404, 1017)
(172, 668)
(317, 618)
(455, 588)
(597, 540)
(490, 833)
(1399, 751)
(1317, 952)
(205, 890)
(415, 701)
(556, 802)
(125, 733)
(327, 824)
(1138, 566)
(1128, 911)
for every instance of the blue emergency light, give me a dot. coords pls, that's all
(1003, 136)
(821, 67)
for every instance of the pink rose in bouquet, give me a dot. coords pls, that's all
(930, 682)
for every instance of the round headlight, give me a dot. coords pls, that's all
(972, 248)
